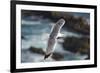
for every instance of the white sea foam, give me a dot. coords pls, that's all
(30, 22)
(69, 34)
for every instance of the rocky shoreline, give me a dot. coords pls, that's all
(56, 56)
(74, 24)
(77, 45)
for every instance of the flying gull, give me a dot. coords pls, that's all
(53, 38)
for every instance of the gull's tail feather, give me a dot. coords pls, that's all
(46, 56)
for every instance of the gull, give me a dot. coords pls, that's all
(53, 38)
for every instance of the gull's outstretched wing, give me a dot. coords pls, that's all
(53, 37)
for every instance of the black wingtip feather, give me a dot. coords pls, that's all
(46, 56)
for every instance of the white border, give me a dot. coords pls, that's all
(20, 65)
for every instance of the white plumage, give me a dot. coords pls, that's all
(53, 37)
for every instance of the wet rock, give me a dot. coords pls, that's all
(74, 24)
(22, 37)
(35, 13)
(77, 45)
(78, 25)
(57, 56)
(37, 50)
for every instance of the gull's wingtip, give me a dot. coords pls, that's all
(62, 19)
(46, 56)
(61, 22)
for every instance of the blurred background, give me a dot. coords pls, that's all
(73, 42)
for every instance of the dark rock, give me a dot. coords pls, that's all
(57, 56)
(78, 25)
(22, 37)
(77, 45)
(37, 50)
(36, 13)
